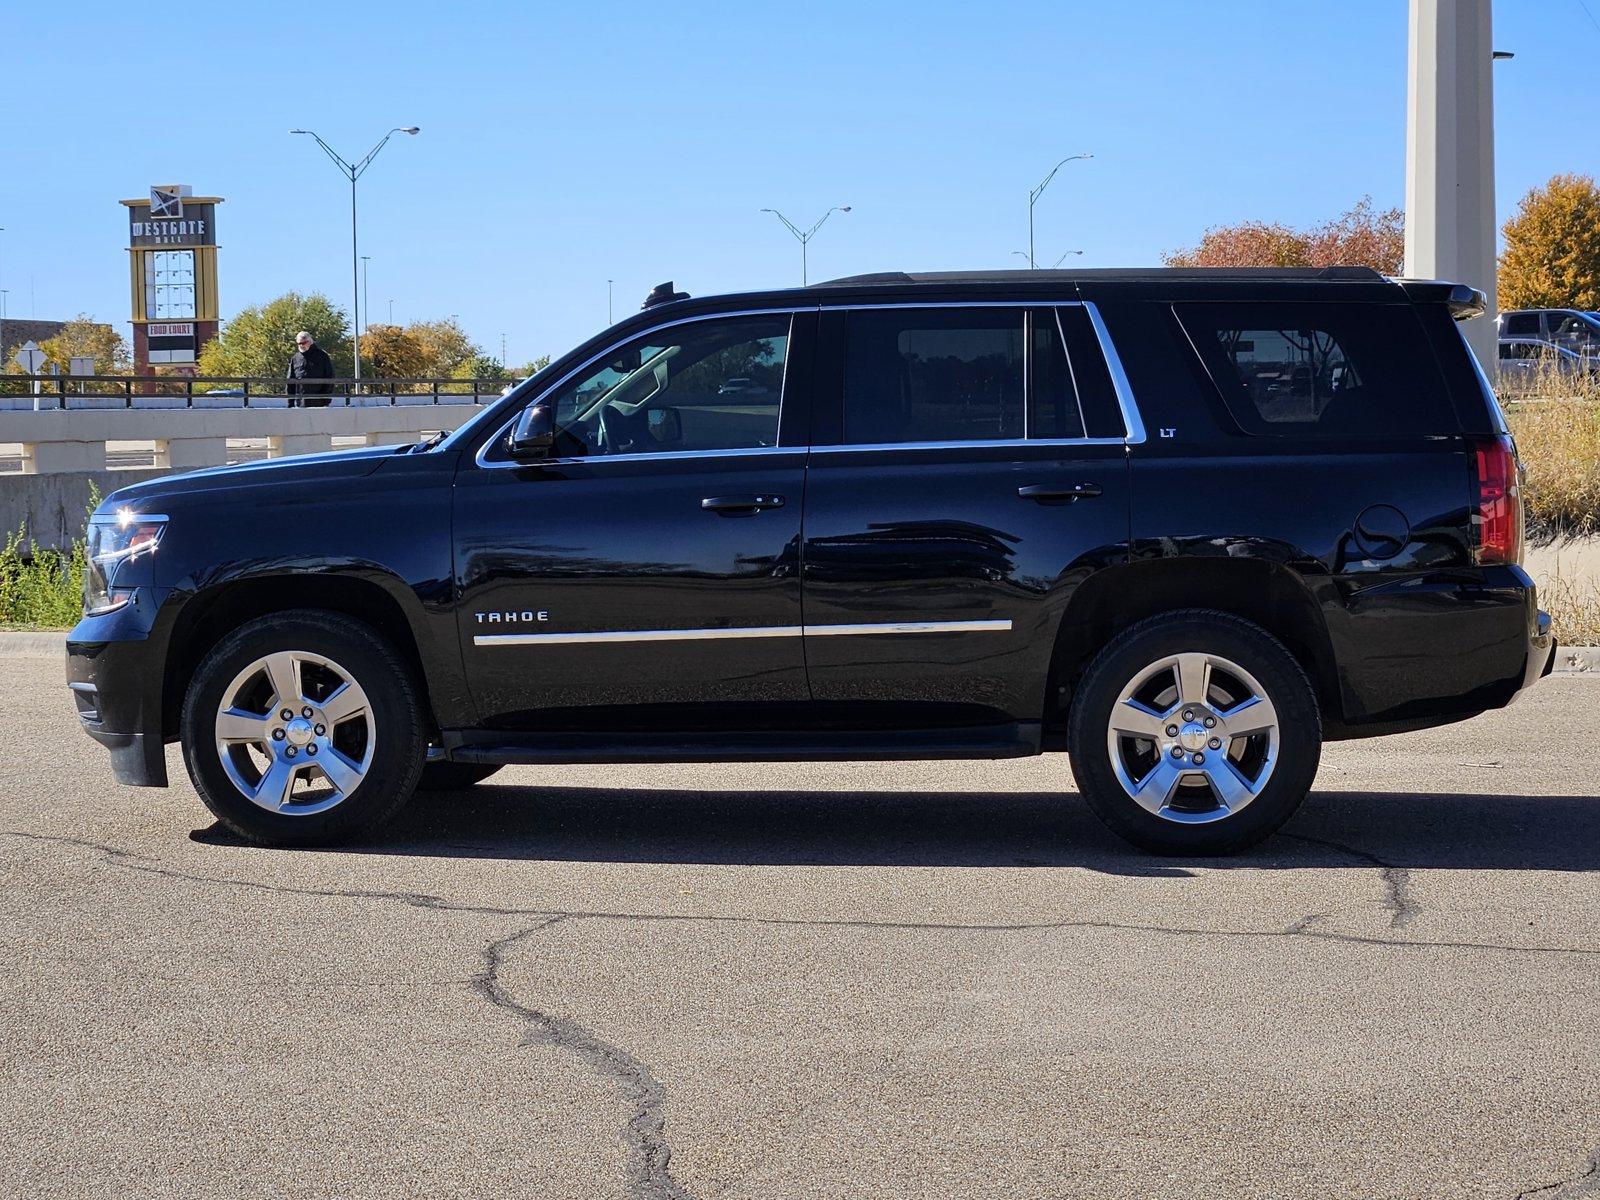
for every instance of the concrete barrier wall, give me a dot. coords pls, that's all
(53, 507)
(64, 453)
(75, 440)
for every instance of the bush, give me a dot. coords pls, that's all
(40, 589)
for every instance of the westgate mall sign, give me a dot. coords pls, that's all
(171, 220)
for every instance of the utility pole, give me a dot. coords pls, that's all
(609, 319)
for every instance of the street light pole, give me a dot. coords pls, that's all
(1059, 260)
(354, 171)
(366, 303)
(609, 319)
(1033, 198)
(805, 238)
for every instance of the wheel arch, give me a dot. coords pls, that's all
(1269, 594)
(213, 612)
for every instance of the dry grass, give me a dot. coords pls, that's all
(1558, 441)
(1574, 608)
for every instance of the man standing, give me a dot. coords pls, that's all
(310, 362)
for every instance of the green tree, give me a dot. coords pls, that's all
(84, 337)
(445, 346)
(259, 340)
(1552, 254)
(389, 352)
(481, 366)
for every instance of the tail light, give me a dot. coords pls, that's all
(1499, 501)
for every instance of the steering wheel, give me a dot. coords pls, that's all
(608, 434)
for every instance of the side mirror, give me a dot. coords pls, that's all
(534, 434)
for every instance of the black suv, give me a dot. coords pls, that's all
(1182, 524)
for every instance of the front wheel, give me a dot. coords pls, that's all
(303, 728)
(1195, 732)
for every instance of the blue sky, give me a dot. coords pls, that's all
(564, 144)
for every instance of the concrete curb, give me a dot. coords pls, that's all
(1578, 660)
(33, 645)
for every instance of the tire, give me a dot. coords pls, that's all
(1240, 793)
(236, 738)
(453, 776)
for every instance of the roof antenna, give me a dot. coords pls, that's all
(662, 293)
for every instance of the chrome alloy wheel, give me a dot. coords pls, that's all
(1193, 738)
(295, 718)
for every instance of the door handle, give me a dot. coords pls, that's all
(1046, 493)
(737, 505)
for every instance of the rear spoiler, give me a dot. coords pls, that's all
(1463, 302)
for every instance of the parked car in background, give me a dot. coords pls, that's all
(1570, 328)
(1524, 361)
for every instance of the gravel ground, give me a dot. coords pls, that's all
(894, 979)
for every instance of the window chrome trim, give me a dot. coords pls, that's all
(756, 631)
(996, 443)
(1131, 419)
(1072, 374)
(611, 347)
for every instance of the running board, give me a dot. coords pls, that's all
(987, 741)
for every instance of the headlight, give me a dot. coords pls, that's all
(115, 540)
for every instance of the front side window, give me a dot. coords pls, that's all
(708, 385)
(1326, 370)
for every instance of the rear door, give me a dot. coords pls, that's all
(965, 474)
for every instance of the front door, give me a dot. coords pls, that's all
(974, 479)
(646, 573)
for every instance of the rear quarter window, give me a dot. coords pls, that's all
(1321, 370)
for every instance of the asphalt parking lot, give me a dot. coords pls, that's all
(904, 979)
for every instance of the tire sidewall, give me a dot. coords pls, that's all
(1259, 653)
(397, 754)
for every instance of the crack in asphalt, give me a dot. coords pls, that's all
(1585, 1183)
(649, 1156)
(1396, 880)
(1301, 928)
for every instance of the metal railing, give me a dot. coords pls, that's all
(237, 391)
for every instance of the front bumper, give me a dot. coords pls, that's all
(114, 672)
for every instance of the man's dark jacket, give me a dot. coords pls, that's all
(306, 365)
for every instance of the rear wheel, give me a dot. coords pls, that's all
(302, 728)
(1195, 732)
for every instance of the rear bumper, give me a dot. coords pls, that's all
(1426, 651)
(114, 672)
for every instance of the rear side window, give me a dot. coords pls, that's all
(973, 375)
(933, 375)
(1521, 325)
(1321, 370)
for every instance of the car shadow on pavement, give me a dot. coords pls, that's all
(967, 829)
